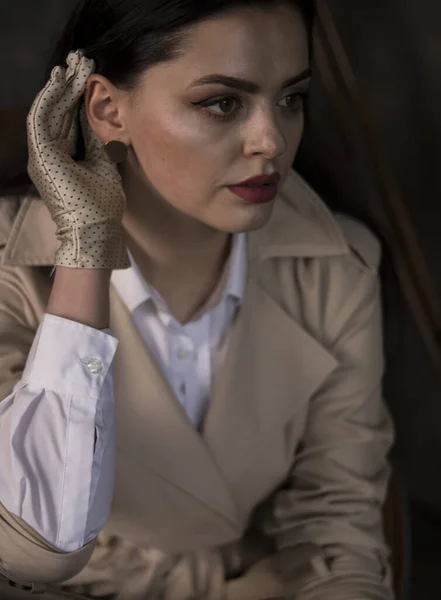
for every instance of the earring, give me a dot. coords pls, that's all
(116, 151)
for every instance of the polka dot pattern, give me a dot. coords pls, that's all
(85, 199)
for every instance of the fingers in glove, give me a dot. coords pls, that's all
(54, 111)
(92, 144)
(78, 67)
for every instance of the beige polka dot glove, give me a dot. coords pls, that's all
(85, 199)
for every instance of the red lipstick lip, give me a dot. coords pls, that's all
(274, 178)
(257, 194)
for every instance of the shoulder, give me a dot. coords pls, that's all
(332, 279)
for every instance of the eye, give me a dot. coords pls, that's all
(295, 101)
(226, 105)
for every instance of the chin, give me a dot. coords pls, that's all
(254, 217)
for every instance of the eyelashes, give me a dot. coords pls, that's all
(299, 100)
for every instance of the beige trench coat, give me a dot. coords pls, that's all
(280, 495)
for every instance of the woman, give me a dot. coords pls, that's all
(218, 342)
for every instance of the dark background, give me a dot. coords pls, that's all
(395, 49)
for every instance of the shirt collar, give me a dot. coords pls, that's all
(135, 290)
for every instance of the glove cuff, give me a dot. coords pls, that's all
(93, 246)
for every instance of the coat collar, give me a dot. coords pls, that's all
(300, 225)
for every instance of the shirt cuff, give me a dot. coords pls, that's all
(69, 357)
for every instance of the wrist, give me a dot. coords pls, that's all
(81, 295)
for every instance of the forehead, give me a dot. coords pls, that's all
(250, 42)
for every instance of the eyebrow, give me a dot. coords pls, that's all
(245, 85)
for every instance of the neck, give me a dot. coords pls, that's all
(181, 257)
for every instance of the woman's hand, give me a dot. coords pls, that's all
(85, 199)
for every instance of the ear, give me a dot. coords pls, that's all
(105, 109)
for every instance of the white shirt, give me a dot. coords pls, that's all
(188, 354)
(50, 474)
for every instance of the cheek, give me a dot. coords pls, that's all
(294, 128)
(178, 155)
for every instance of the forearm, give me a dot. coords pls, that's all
(81, 295)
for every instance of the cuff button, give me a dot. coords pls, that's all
(93, 364)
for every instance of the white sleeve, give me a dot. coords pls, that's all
(50, 473)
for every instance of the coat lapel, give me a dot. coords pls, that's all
(152, 426)
(272, 368)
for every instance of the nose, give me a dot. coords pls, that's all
(264, 136)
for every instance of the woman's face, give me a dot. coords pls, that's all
(193, 139)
